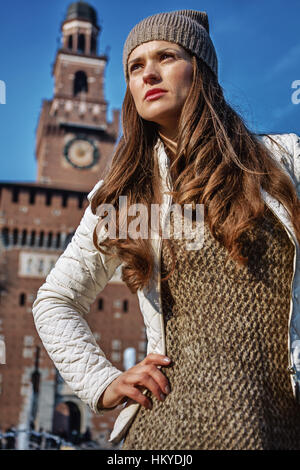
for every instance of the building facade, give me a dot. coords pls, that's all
(74, 146)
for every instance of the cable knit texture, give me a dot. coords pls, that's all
(188, 28)
(227, 334)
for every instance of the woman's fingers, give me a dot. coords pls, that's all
(136, 381)
(137, 396)
(156, 358)
(151, 384)
(161, 380)
(152, 360)
(147, 375)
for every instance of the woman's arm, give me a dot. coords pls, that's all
(71, 287)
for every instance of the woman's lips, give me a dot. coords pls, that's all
(155, 96)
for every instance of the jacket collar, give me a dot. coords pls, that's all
(279, 209)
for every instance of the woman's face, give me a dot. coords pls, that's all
(164, 65)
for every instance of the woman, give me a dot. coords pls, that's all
(226, 314)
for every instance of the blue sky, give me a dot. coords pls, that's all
(257, 42)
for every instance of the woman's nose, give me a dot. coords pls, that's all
(150, 72)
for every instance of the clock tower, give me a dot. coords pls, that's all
(75, 143)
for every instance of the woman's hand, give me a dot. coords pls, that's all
(144, 375)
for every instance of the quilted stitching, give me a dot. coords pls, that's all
(289, 156)
(73, 284)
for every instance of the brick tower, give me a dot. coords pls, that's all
(74, 141)
(74, 146)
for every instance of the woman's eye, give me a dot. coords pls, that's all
(166, 55)
(163, 56)
(132, 67)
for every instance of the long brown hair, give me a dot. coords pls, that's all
(219, 162)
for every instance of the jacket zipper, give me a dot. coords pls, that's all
(168, 204)
(290, 364)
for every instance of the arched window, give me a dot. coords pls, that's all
(58, 240)
(80, 83)
(24, 237)
(32, 238)
(49, 241)
(81, 43)
(15, 236)
(70, 42)
(41, 239)
(5, 236)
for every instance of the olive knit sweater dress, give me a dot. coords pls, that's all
(227, 337)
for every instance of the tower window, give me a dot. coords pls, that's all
(80, 82)
(125, 306)
(93, 45)
(81, 43)
(70, 42)
(100, 304)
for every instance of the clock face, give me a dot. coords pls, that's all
(81, 152)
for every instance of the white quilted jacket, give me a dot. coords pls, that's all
(82, 272)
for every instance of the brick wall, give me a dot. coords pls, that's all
(114, 318)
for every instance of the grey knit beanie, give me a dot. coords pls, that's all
(188, 28)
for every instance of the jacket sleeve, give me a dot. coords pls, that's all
(63, 300)
(288, 154)
(296, 160)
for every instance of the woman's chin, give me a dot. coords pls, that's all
(159, 118)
